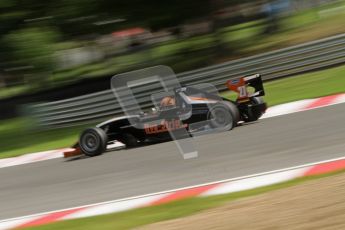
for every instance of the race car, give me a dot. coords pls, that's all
(191, 109)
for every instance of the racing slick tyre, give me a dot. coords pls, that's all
(234, 111)
(224, 116)
(129, 140)
(93, 142)
(254, 117)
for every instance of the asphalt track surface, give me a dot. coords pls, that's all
(269, 144)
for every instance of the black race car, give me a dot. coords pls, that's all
(195, 110)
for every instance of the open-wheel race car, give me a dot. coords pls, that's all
(190, 108)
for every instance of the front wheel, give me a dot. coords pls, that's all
(93, 142)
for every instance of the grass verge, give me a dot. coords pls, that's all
(17, 136)
(148, 215)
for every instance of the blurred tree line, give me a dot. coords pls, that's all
(30, 29)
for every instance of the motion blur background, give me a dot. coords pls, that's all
(54, 50)
(48, 44)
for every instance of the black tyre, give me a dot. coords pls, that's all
(93, 142)
(224, 116)
(233, 110)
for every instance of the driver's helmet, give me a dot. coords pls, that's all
(167, 102)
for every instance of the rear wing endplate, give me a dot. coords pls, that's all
(240, 86)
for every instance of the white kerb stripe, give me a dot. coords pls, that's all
(32, 157)
(255, 182)
(287, 108)
(26, 158)
(15, 223)
(114, 207)
(340, 99)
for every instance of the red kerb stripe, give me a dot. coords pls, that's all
(323, 101)
(326, 168)
(183, 194)
(49, 218)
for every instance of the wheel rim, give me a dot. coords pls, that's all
(90, 142)
(221, 119)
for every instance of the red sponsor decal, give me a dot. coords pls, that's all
(165, 126)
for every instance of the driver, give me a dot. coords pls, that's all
(168, 102)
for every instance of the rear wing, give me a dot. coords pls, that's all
(240, 86)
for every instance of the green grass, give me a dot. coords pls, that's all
(251, 40)
(143, 216)
(13, 90)
(18, 136)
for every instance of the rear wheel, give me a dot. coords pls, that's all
(224, 116)
(233, 110)
(93, 142)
